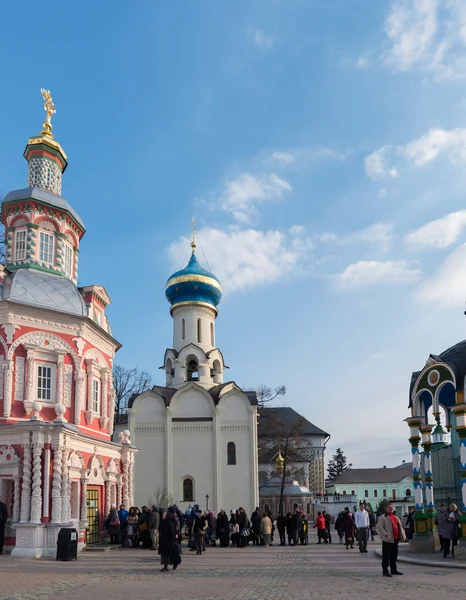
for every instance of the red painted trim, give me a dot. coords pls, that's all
(13, 221)
(47, 218)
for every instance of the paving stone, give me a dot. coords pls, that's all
(253, 573)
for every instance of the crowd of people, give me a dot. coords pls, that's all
(164, 530)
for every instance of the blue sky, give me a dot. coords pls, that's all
(321, 146)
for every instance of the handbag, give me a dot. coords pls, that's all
(143, 527)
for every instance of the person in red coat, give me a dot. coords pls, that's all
(321, 528)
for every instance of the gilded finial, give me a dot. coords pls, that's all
(49, 108)
(279, 462)
(193, 243)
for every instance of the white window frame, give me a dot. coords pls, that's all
(68, 268)
(23, 250)
(96, 395)
(53, 375)
(50, 245)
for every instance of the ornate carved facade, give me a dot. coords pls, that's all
(56, 352)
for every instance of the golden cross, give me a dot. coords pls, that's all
(193, 243)
(49, 108)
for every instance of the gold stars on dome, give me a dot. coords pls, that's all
(49, 108)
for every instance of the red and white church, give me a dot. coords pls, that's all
(58, 465)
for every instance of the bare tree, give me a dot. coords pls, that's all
(161, 498)
(127, 383)
(266, 394)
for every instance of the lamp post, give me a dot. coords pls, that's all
(207, 502)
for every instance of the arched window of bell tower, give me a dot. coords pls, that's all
(183, 329)
(192, 370)
(212, 336)
(199, 333)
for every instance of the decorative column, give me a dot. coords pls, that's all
(60, 371)
(104, 391)
(131, 479)
(83, 516)
(26, 488)
(29, 395)
(460, 413)
(46, 481)
(168, 449)
(108, 497)
(425, 431)
(56, 483)
(126, 480)
(36, 496)
(111, 410)
(217, 500)
(420, 518)
(16, 499)
(103, 419)
(65, 487)
(119, 493)
(79, 395)
(8, 371)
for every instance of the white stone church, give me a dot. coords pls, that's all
(197, 436)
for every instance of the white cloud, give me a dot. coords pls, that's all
(242, 194)
(386, 161)
(282, 158)
(367, 273)
(447, 287)
(260, 39)
(247, 258)
(427, 35)
(439, 233)
(296, 229)
(379, 233)
(302, 157)
(363, 62)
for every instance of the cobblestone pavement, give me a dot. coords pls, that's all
(253, 573)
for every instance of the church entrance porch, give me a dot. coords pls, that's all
(93, 516)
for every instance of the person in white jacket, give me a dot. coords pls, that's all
(361, 519)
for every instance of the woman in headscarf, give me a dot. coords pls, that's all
(223, 530)
(113, 525)
(168, 549)
(143, 525)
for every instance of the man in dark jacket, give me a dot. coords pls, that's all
(3, 518)
(199, 529)
(281, 526)
(328, 523)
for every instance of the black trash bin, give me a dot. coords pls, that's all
(67, 544)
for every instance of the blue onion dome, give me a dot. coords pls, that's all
(193, 285)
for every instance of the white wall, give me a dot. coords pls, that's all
(191, 314)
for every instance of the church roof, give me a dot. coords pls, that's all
(272, 487)
(378, 475)
(285, 416)
(167, 394)
(44, 290)
(45, 197)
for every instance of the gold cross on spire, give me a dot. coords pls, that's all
(193, 243)
(49, 108)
